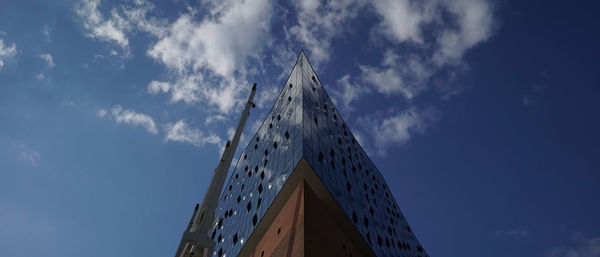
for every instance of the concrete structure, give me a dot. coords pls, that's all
(304, 186)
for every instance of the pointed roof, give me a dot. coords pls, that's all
(304, 124)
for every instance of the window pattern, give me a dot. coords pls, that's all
(304, 123)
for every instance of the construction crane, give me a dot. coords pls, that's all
(196, 240)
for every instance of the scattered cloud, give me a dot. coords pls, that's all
(130, 117)
(514, 233)
(406, 75)
(181, 132)
(214, 118)
(219, 44)
(402, 20)
(432, 43)
(347, 92)
(26, 154)
(48, 59)
(581, 247)
(123, 20)
(111, 30)
(101, 113)
(207, 58)
(46, 32)
(6, 51)
(474, 24)
(458, 25)
(396, 128)
(318, 24)
(210, 56)
(265, 96)
(193, 88)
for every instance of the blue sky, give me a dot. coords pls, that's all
(482, 115)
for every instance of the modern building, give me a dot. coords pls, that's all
(303, 186)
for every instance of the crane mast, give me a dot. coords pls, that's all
(196, 237)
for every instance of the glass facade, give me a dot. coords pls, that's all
(304, 123)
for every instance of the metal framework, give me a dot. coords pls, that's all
(196, 237)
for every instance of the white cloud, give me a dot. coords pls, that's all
(317, 24)
(397, 128)
(515, 233)
(181, 132)
(214, 118)
(130, 117)
(6, 51)
(136, 16)
(121, 21)
(475, 24)
(31, 157)
(156, 87)
(48, 59)
(101, 113)
(208, 58)
(470, 23)
(109, 30)
(220, 45)
(266, 96)
(402, 20)
(46, 33)
(347, 92)
(405, 75)
(584, 247)
(26, 154)
(223, 95)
